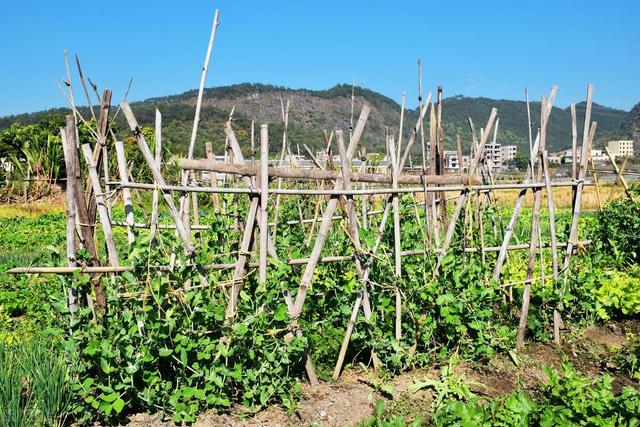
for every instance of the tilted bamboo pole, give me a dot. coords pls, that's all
(462, 201)
(323, 231)
(184, 205)
(103, 214)
(535, 225)
(157, 177)
(619, 174)
(520, 200)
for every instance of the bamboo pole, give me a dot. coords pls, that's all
(158, 161)
(103, 214)
(213, 178)
(99, 152)
(184, 206)
(554, 243)
(619, 174)
(347, 336)
(71, 212)
(352, 192)
(228, 266)
(465, 193)
(238, 159)
(157, 177)
(520, 200)
(285, 142)
(574, 143)
(126, 192)
(323, 231)
(587, 140)
(535, 226)
(440, 159)
(264, 200)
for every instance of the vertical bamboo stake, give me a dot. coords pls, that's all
(158, 161)
(526, 95)
(264, 199)
(285, 142)
(587, 140)
(574, 144)
(126, 192)
(105, 173)
(440, 160)
(435, 224)
(102, 208)
(396, 239)
(400, 130)
(422, 147)
(586, 147)
(215, 200)
(70, 152)
(553, 239)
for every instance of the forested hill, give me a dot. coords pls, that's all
(312, 111)
(631, 126)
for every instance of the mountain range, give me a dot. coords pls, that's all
(312, 111)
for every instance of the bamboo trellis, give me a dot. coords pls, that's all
(335, 191)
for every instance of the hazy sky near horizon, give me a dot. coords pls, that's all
(494, 49)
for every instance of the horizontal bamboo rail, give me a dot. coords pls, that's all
(339, 192)
(294, 261)
(327, 175)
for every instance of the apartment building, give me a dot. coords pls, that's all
(509, 152)
(621, 148)
(493, 156)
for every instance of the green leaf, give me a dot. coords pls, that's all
(118, 405)
(241, 328)
(164, 352)
(104, 365)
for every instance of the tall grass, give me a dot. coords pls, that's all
(33, 385)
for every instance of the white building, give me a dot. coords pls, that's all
(509, 152)
(621, 148)
(598, 156)
(493, 156)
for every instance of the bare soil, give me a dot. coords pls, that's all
(353, 397)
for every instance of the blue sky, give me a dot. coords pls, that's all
(492, 48)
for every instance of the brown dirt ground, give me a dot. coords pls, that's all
(353, 398)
